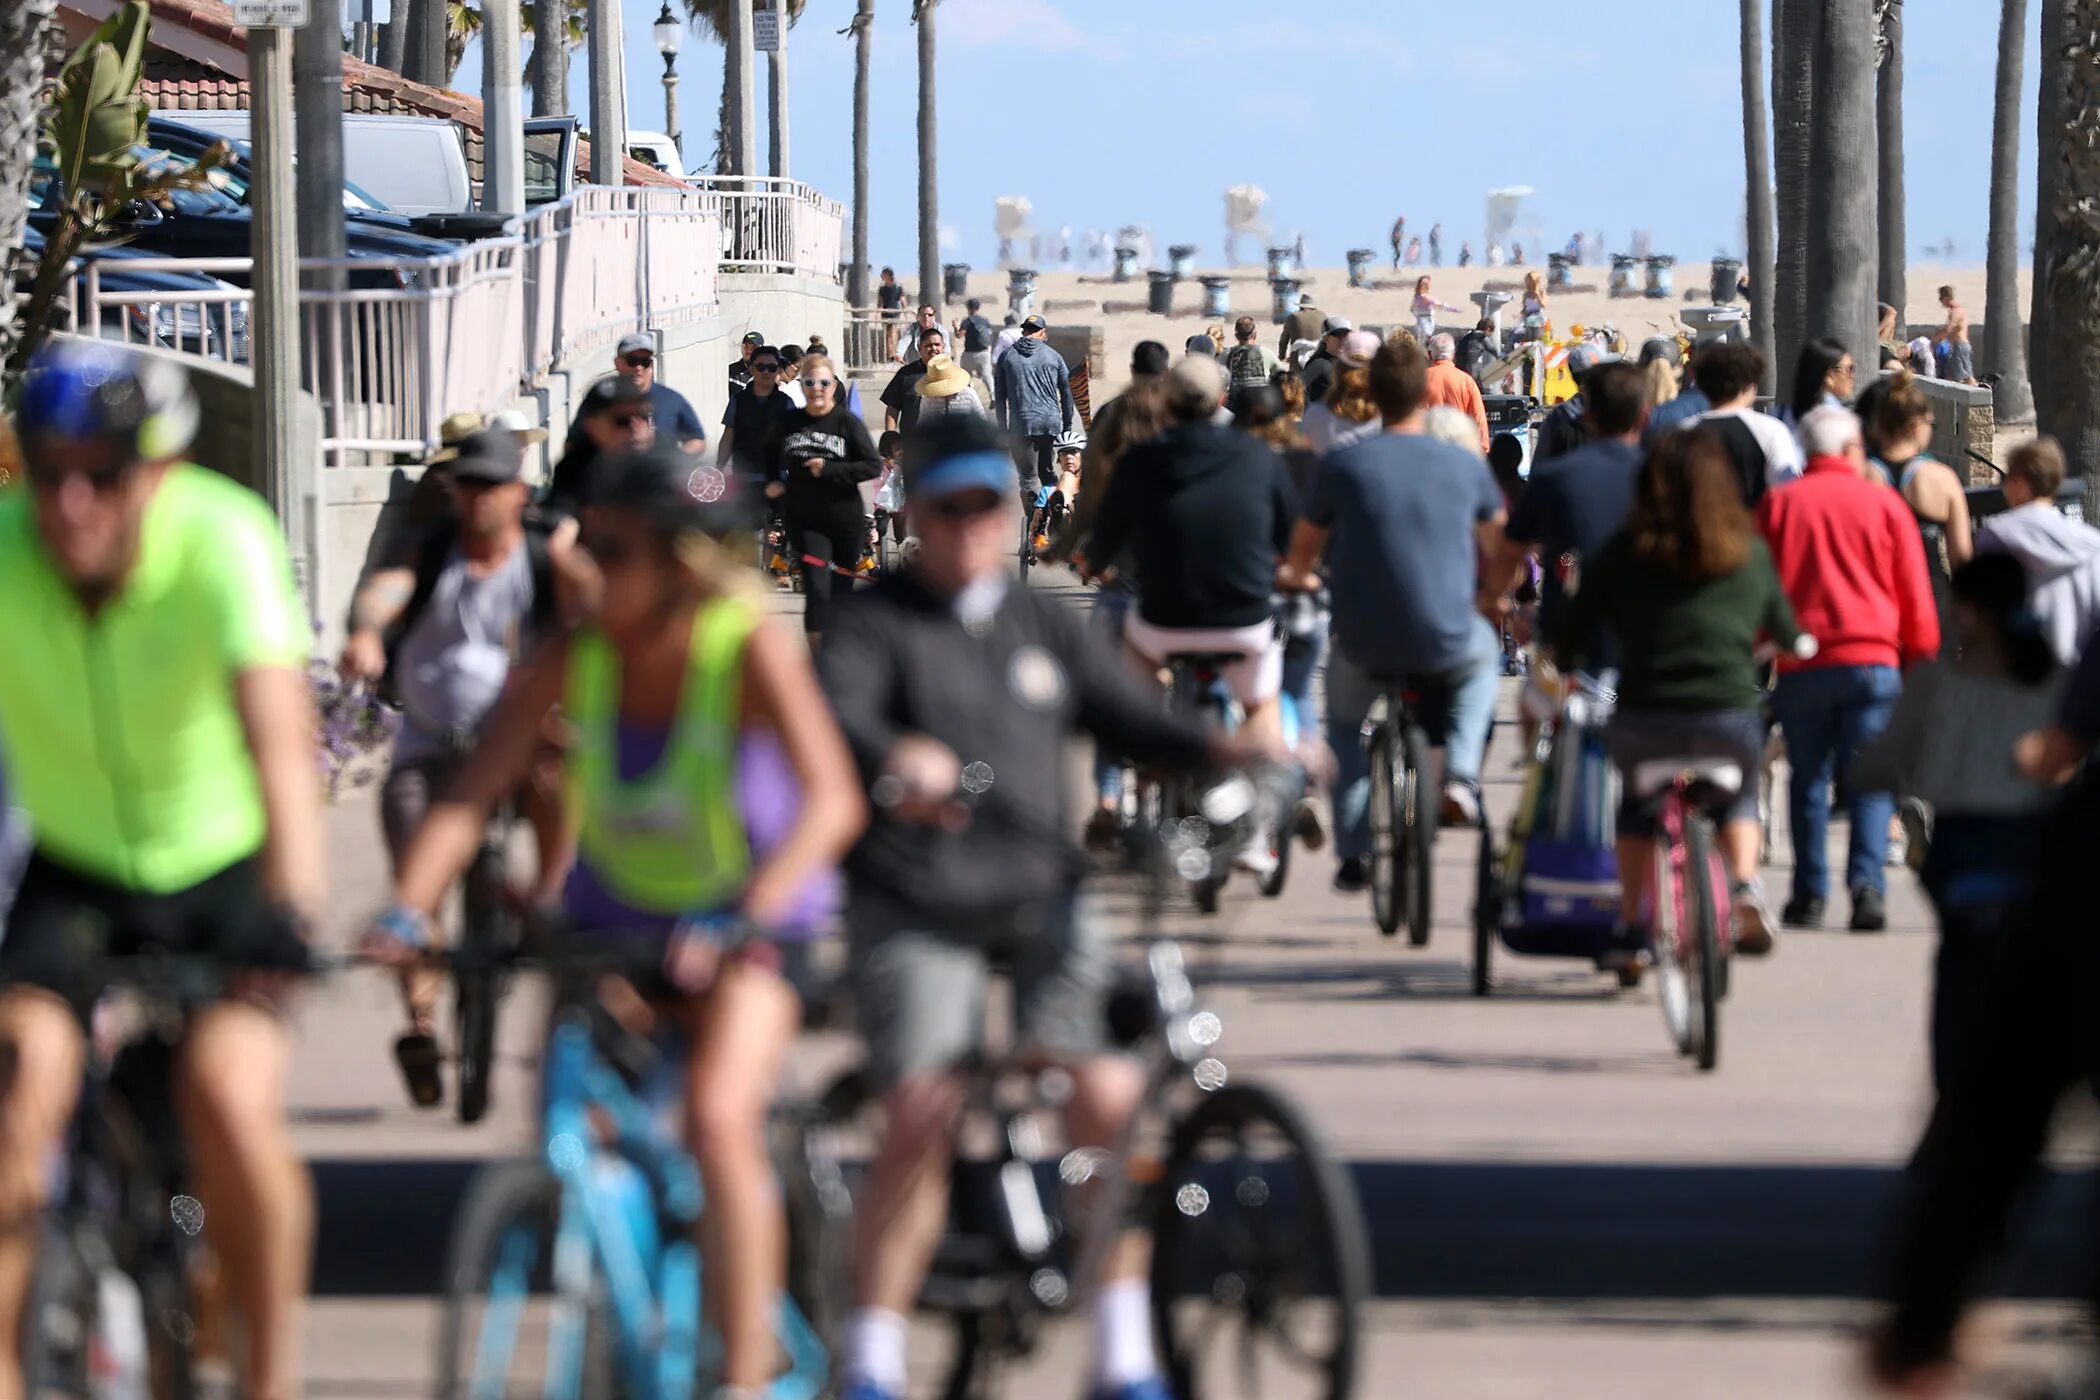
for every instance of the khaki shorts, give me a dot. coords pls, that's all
(919, 993)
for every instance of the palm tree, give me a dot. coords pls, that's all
(462, 22)
(22, 30)
(2050, 115)
(929, 149)
(1841, 181)
(1795, 24)
(557, 31)
(863, 31)
(2067, 257)
(2004, 347)
(1757, 164)
(1888, 121)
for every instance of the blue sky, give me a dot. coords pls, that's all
(1347, 112)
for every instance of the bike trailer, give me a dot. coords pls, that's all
(1559, 876)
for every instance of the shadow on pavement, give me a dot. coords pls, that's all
(1618, 1230)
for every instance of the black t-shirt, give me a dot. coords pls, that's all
(978, 334)
(1751, 465)
(752, 418)
(902, 394)
(841, 441)
(890, 298)
(1574, 505)
(1318, 376)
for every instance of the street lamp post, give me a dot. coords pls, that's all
(668, 32)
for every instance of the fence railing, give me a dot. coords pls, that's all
(771, 225)
(391, 346)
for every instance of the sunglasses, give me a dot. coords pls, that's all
(474, 484)
(765, 367)
(102, 481)
(628, 420)
(963, 508)
(641, 361)
(818, 383)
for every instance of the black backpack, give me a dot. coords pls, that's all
(431, 557)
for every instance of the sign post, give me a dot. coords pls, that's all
(765, 28)
(274, 321)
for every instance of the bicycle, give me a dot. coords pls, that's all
(606, 1216)
(124, 1300)
(1045, 524)
(1691, 935)
(488, 933)
(1402, 814)
(1196, 687)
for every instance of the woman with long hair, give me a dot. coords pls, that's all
(1688, 590)
(1948, 750)
(1938, 502)
(819, 455)
(1824, 374)
(690, 709)
(1348, 415)
(1534, 303)
(1424, 310)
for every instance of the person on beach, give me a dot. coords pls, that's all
(1961, 356)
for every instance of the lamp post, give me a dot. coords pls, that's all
(667, 35)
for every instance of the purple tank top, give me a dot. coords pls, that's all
(767, 799)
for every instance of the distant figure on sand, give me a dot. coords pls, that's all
(1414, 252)
(1534, 296)
(1436, 245)
(1516, 255)
(1425, 309)
(1961, 358)
(1399, 239)
(1465, 254)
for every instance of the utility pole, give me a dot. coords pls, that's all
(503, 110)
(776, 97)
(317, 100)
(274, 322)
(608, 93)
(743, 121)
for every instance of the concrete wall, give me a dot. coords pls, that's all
(1963, 423)
(785, 309)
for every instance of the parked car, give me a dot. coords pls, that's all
(207, 223)
(656, 149)
(180, 323)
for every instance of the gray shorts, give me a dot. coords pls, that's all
(405, 797)
(1636, 737)
(919, 993)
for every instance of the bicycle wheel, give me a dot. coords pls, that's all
(496, 1337)
(1255, 1223)
(1417, 829)
(1701, 869)
(59, 1323)
(1487, 912)
(1673, 989)
(1385, 820)
(477, 981)
(1271, 885)
(819, 1206)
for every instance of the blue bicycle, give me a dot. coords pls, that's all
(576, 1275)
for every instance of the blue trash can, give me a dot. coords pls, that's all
(1283, 298)
(1661, 281)
(1283, 262)
(1361, 261)
(1181, 261)
(1020, 290)
(1217, 297)
(1126, 265)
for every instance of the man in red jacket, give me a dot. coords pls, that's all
(1853, 566)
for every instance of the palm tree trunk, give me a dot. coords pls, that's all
(1841, 181)
(424, 61)
(863, 35)
(2050, 116)
(2004, 346)
(2068, 264)
(929, 149)
(548, 70)
(22, 30)
(1757, 165)
(777, 102)
(1888, 118)
(1795, 24)
(393, 38)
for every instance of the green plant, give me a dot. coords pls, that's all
(94, 137)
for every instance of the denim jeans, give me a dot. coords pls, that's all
(1111, 605)
(1830, 713)
(1351, 691)
(1302, 657)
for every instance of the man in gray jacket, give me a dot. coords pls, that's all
(2061, 555)
(1034, 391)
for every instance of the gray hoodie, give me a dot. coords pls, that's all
(2062, 559)
(1034, 390)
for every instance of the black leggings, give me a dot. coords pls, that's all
(836, 542)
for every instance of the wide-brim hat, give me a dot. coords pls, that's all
(944, 378)
(456, 429)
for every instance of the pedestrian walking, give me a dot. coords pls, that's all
(1452, 387)
(900, 404)
(1306, 323)
(1399, 240)
(946, 388)
(1349, 413)
(1248, 366)
(977, 335)
(819, 455)
(889, 299)
(1854, 569)
(1436, 245)
(1034, 396)
(2060, 555)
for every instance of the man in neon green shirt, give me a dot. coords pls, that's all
(156, 725)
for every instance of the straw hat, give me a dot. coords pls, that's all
(456, 429)
(944, 379)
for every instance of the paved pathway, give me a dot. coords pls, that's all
(1558, 1204)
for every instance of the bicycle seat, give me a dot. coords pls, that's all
(1706, 780)
(1205, 660)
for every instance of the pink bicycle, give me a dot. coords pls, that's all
(1690, 929)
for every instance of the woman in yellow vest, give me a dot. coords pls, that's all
(706, 777)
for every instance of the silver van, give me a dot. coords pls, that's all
(415, 165)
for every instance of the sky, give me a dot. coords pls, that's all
(1346, 112)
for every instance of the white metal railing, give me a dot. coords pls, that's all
(771, 225)
(398, 344)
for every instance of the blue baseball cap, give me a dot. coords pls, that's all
(957, 453)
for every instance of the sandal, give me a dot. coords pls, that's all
(417, 1054)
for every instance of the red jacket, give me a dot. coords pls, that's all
(1853, 565)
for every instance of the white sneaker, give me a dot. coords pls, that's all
(1461, 805)
(1753, 920)
(1256, 858)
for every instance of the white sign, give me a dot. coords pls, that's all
(270, 14)
(765, 30)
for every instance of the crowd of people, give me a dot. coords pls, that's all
(600, 657)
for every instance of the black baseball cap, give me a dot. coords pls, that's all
(957, 452)
(670, 488)
(609, 393)
(1034, 324)
(490, 456)
(753, 338)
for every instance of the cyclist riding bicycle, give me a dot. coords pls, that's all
(1402, 521)
(1207, 512)
(707, 778)
(946, 663)
(157, 726)
(446, 625)
(1054, 502)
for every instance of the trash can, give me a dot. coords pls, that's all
(1020, 290)
(1727, 273)
(1625, 275)
(955, 281)
(1181, 261)
(1283, 262)
(1361, 261)
(1559, 267)
(1126, 265)
(1283, 296)
(1217, 297)
(1661, 281)
(1491, 304)
(1161, 302)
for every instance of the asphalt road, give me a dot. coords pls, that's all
(1557, 1204)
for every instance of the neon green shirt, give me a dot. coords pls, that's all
(120, 732)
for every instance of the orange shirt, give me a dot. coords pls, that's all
(1452, 387)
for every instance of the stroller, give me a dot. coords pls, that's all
(1551, 889)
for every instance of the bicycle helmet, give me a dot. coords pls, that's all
(1073, 441)
(87, 389)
